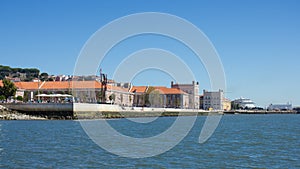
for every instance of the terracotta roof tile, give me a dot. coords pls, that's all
(166, 90)
(27, 85)
(63, 85)
(56, 85)
(86, 84)
(138, 89)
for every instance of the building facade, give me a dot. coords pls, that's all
(192, 90)
(212, 100)
(287, 106)
(82, 91)
(159, 96)
(171, 97)
(226, 104)
(139, 94)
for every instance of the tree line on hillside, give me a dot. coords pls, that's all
(25, 74)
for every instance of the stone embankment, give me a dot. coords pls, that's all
(77, 111)
(6, 114)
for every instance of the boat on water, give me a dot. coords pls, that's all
(244, 103)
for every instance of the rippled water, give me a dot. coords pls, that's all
(240, 141)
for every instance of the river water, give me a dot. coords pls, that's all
(240, 141)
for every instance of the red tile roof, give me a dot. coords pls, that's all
(161, 89)
(65, 85)
(138, 89)
(58, 85)
(27, 85)
(86, 84)
(165, 90)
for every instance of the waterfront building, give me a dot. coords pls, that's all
(212, 100)
(201, 102)
(226, 104)
(287, 106)
(159, 96)
(243, 103)
(83, 91)
(139, 93)
(121, 96)
(170, 97)
(192, 90)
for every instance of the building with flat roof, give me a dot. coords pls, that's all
(287, 106)
(212, 100)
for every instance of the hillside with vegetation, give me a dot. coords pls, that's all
(25, 74)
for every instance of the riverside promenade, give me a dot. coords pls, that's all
(73, 111)
(97, 111)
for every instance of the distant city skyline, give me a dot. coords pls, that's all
(257, 41)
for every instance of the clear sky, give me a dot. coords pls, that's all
(257, 41)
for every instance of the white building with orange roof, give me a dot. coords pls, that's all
(172, 97)
(121, 96)
(138, 95)
(90, 92)
(159, 96)
(85, 91)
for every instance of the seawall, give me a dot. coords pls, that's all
(104, 111)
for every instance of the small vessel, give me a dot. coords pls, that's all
(244, 103)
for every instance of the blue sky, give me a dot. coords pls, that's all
(257, 41)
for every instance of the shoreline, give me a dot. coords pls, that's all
(97, 111)
(6, 114)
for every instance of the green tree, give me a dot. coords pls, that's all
(112, 97)
(44, 76)
(50, 79)
(20, 98)
(8, 89)
(27, 74)
(2, 97)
